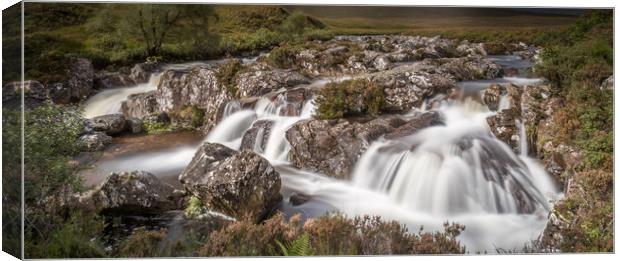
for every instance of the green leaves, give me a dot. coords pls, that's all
(298, 247)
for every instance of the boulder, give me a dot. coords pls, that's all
(34, 94)
(297, 199)
(95, 141)
(140, 105)
(80, 78)
(608, 84)
(259, 80)
(141, 72)
(504, 127)
(405, 87)
(492, 96)
(412, 126)
(197, 87)
(135, 125)
(332, 147)
(462, 68)
(239, 184)
(110, 124)
(257, 136)
(107, 80)
(127, 193)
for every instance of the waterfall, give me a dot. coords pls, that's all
(109, 101)
(231, 129)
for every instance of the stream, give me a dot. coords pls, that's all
(438, 174)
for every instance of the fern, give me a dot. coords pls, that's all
(298, 247)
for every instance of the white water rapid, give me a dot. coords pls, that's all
(456, 172)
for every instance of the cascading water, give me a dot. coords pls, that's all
(230, 130)
(109, 101)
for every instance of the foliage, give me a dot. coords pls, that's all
(298, 247)
(350, 98)
(151, 127)
(50, 139)
(226, 75)
(328, 235)
(192, 114)
(142, 243)
(576, 61)
(589, 211)
(194, 207)
(74, 237)
(283, 56)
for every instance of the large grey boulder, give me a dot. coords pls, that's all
(95, 141)
(110, 124)
(136, 192)
(332, 147)
(259, 80)
(242, 184)
(199, 87)
(79, 83)
(140, 105)
(406, 87)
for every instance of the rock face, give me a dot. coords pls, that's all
(140, 73)
(492, 96)
(608, 84)
(110, 124)
(198, 87)
(140, 105)
(78, 85)
(332, 147)
(238, 184)
(406, 87)
(258, 81)
(95, 141)
(136, 192)
(503, 126)
(419, 122)
(257, 136)
(462, 68)
(34, 94)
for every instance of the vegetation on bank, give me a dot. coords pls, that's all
(114, 35)
(576, 61)
(350, 98)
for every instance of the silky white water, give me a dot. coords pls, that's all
(456, 172)
(109, 101)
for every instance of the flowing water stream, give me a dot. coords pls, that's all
(457, 172)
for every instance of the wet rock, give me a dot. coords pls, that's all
(141, 72)
(405, 87)
(332, 147)
(492, 96)
(608, 84)
(110, 124)
(412, 126)
(238, 184)
(462, 68)
(257, 136)
(297, 199)
(140, 105)
(503, 126)
(95, 141)
(136, 192)
(197, 87)
(135, 125)
(470, 49)
(107, 80)
(80, 78)
(259, 81)
(34, 94)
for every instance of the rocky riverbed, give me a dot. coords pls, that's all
(459, 137)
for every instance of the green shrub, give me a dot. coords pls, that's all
(283, 56)
(157, 127)
(75, 237)
(226, 75)
(350, 98)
